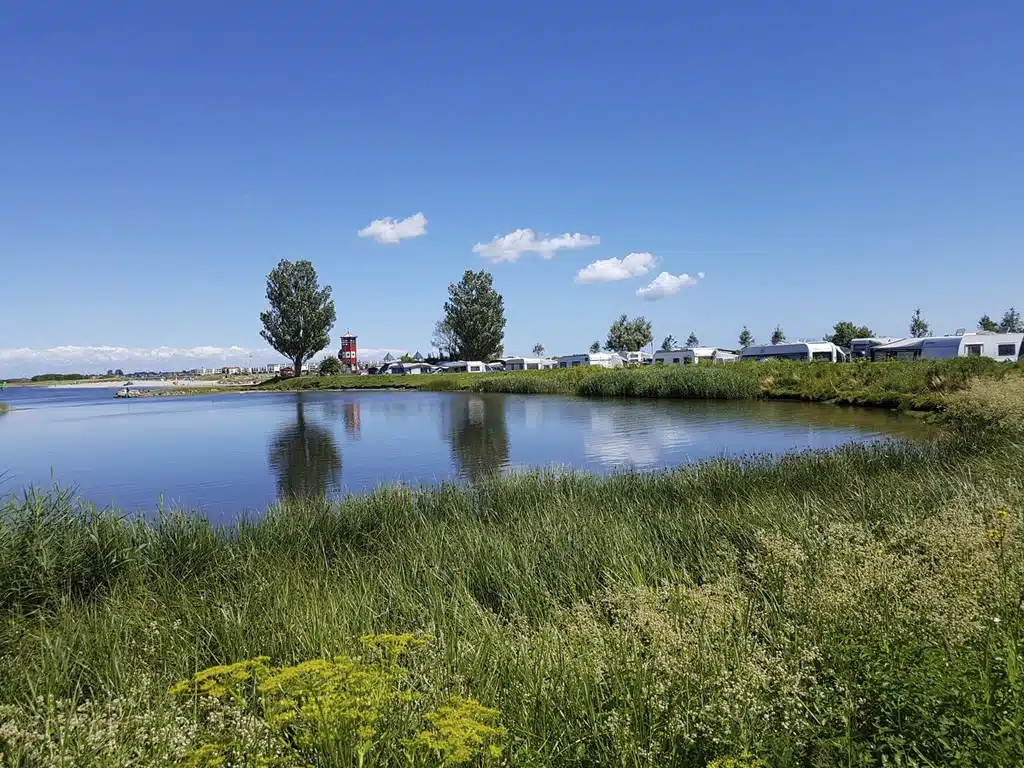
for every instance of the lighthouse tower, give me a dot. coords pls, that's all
(349, 363)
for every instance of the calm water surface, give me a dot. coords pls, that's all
(226, 454)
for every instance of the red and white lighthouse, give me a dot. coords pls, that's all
(349, 363)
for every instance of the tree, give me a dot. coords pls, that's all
(988, 324)
(778, 335)
(692, 340)
(474, 317)
(538, 350)
(301, 314)
(1011, 322)
(595, 347)
(443, 340)
(406, 358)
(627, 335)
(330, 366)
(119, 372)
(746, 337)
(918, 327)
(844, 332)
(669, 343)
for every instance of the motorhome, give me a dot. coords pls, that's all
(819, 351)
(693, 355)
(1004, 347)
(599, 359)
(528, 364)
(860, 349)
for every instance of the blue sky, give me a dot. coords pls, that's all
(814, 161)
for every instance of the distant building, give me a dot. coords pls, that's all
(599, 359)
(1004, 347)
(694, 355)
(347, 355)
(231, 370)
(418, 357)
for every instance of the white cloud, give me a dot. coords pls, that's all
(607, 270)
(513, 245)
(667, 284)
(390, 230)
(70, 353)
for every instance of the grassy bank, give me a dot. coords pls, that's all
(4, 407)
(855, 608)
(923, 385)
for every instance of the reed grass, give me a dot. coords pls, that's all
(859, 607)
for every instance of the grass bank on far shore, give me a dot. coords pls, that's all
(854, 608)
(4, 407)
(921, 385)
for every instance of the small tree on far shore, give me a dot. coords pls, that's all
(1011, 322)
(778, 335)
(668, 343)
(988, 324)
(595, 347)
(918, 327)
(692, 340)
(538, 350)
(330, 366)
(746, 337)
(301, 314)
(844, 332)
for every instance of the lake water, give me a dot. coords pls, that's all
(227, 454)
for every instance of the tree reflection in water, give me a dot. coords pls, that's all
(305, 459)
(478, 435)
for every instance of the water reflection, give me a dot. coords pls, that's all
(305, 458)
(478, 434)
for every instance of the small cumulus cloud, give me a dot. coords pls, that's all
(513, 245)
(392, 231)
(667, 284)
(608, 270)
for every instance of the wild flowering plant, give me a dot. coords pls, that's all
(346, 709)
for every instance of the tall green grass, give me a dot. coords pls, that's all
(860, 607)
(924, 385)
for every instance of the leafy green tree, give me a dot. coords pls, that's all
(988, 324)
(301, 313)
(627, 335)
(844, 332)
(1011, 322)
(595, 347)
(406, 358)
(474, 317)
(746, 337)
(669, 343)
(330, 366)
(538, 350)
(778, 335)
(692, 340)
(918, 327)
